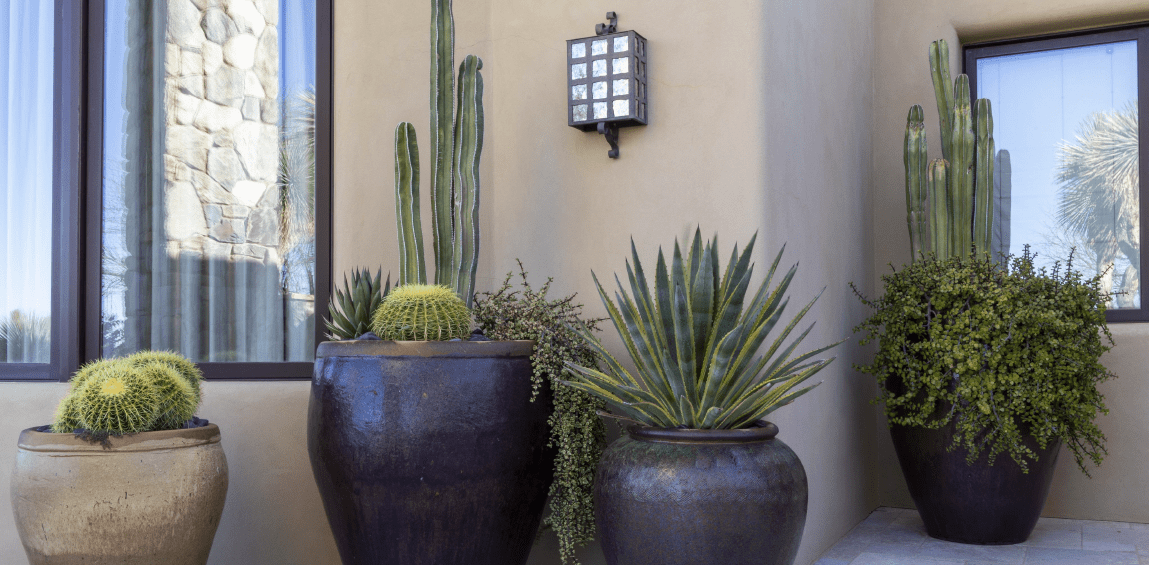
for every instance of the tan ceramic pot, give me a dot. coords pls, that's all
(154, 497)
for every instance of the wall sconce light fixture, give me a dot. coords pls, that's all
(606, 76)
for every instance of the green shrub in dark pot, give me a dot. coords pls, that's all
(985, 369)
(700, 476)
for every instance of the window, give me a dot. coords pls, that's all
(185, 179)
(1066, 112)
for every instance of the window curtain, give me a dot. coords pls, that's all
(26, 80)
(197, 190)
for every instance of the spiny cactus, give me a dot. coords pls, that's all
(420, 312)
(148, 391)
(457, 139)
(187, 369)
(118, 400)
(949, 201)
(351, 308)
(176, 400)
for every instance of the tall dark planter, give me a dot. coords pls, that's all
(429, 453)
(684, 497)
(978, 503)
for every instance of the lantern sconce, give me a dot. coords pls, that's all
(606, 76)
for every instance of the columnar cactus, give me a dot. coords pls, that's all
(457, 139)
(959, 197)
(421, 312)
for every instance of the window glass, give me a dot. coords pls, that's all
(209, 179)
(1068, 120)
(26, 82)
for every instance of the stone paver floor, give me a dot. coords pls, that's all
(895, 536)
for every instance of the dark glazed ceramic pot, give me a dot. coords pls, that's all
(978, 503)
(684, 497)
(429, 453)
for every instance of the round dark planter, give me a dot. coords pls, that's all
(972, 503)
(684, 497)
(429, 453)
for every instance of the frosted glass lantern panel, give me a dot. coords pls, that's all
(600, 90)
(621, 87)
(621, 44)
(621, 66)
(578, 50)
(599, 69)
(578, 92)
(578, 71)
(598, 47)
(600, 110)
(580, 113)
(621, 108)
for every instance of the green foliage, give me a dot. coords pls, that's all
(148, 391)
(576, 429)
(352, 308)
(422, 312)
(1003, 351)
(457, 139)
(693, 344)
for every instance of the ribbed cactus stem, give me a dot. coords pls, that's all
(442, 140)
(961, 167)
(983, 207)
(1002, 199)
(940, 73)
(941, 213)
(468, 149)
(411, 266)
(916, 164)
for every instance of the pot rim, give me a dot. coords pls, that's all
(32, 440)
(762, 431)
(465, 349)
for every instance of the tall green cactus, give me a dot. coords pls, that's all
(958, 189)
(458, 142)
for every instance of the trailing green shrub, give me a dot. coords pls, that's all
(576, 429)
(1002, 351)
(422, 312)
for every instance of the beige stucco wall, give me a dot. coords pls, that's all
(904, 30)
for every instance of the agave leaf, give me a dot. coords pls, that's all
(618, 404)
(645, 346)
(710, 417)
(694, 257)
(686, 413)
(767, 400)
(665, 310)
(715, 379)
(702, 304)
(683, 335)
(727, 318)
(605, 356)
(617, 319)
(737, 375)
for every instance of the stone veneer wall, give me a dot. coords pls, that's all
(221, 153)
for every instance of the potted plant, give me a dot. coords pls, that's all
(700, 477)
(978, 357)
(126, 473)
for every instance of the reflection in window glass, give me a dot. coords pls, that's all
(26, 79)
(209, 194)
(1068, 118)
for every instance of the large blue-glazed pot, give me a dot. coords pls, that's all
(684, 497)
(429, 453)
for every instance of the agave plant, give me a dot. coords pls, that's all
(352, 308)
(693, 343)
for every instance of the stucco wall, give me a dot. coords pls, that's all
(904, 31)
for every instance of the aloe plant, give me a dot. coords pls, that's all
(693, 342)
(352, 308)
(457, 141)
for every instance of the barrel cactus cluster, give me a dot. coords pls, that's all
(147, 391)
(950, 201)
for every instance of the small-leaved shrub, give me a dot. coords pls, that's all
(1001, 350)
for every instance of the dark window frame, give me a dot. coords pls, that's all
(1136, 31)
(77, 200)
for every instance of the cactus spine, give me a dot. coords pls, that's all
(958, 189)
(458, 144)
(421, 312)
